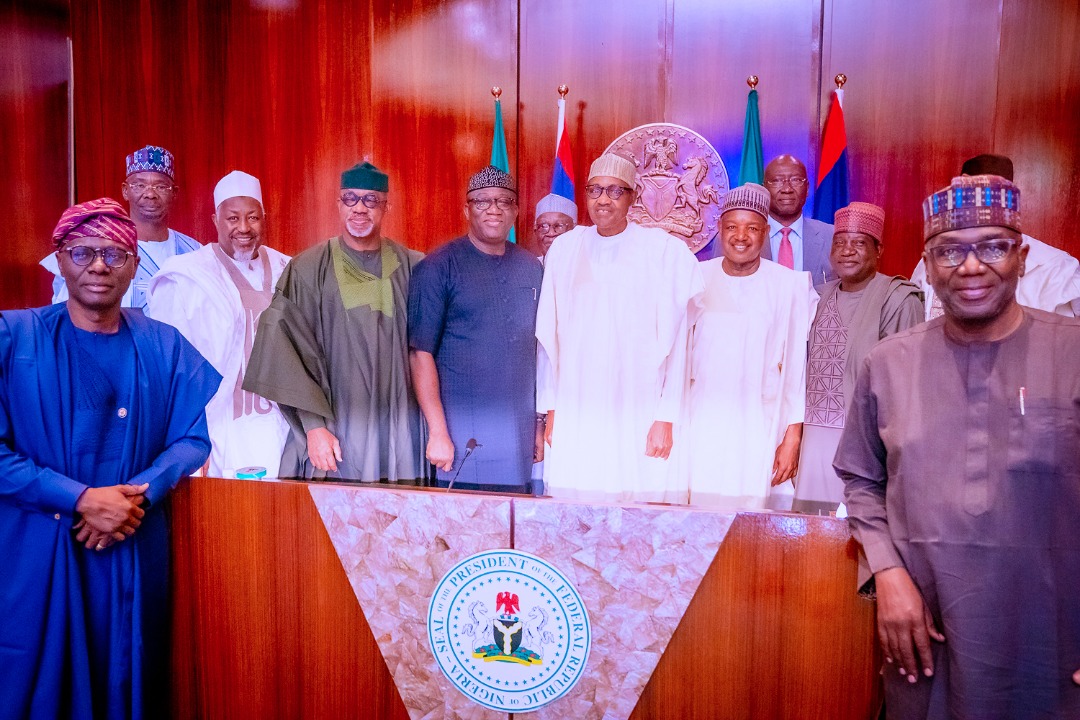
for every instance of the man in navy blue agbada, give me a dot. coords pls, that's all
(472, 345)
(101, 413)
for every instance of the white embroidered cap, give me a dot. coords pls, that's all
(237, 184)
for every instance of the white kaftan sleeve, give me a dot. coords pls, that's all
(793, 388)
(545, 381)
(547, 333)
(685, 302)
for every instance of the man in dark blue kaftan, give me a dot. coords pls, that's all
(472, 345)
(101, 413)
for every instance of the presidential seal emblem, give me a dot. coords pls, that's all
(681, 181)
(509, 630)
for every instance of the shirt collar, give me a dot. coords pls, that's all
(796, 227)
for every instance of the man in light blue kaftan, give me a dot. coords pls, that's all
(150, 190)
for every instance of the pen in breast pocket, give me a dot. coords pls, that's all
(1023, 392)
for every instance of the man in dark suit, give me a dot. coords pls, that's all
(797, 242)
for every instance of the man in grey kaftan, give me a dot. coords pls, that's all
(331, 349)
(855, 312)
(961, 460)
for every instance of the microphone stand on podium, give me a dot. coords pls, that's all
(469, 448)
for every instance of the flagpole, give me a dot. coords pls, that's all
(563, 91)
(831, 190)
(562, 175)
(752, 162)
(500, 157)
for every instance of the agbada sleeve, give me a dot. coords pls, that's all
(861, 463)
(22, 481)
(186, 309)
(187, 439)
(899, 316)
(287, 363)
(547, 337)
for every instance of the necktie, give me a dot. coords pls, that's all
(787, 255)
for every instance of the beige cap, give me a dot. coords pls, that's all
(616, 166)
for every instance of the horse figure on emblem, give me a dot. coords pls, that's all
(668, 199)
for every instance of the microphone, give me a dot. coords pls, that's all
(469, 447)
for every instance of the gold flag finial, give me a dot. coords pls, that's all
(564, 90)
(496, 91)
(752, 81)
(840, 80)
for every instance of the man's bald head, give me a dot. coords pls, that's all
(784, 161)
(785, 177)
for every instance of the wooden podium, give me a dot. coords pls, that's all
(266, 624)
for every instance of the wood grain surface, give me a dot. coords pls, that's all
(34, 85)
(776, 630)
(294, 92)
(267, 626)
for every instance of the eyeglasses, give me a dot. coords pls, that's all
(482, 204)
(613, 191)
(853, 243)
(371, 200)
(988, 252)
(112, 257)
(795, 182)
(160, 188)
(559, 227)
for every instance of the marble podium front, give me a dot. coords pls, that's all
(294, 599)
(637, 567)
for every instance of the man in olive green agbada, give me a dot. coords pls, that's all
(331, 348)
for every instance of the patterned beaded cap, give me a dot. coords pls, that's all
(151, 159)
(492, 177)
(972, 201)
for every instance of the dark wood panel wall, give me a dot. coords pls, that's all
(34, 169)
(295, 91)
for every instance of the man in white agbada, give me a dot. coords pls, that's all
(214, 297)
(1051, 278)
(615, 310)
(150, 190)
(748, 367)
